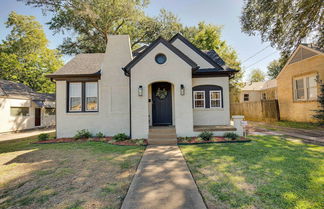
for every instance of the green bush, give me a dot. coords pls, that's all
(231, 135)
(43, 137)
(139, 141)
(84, 133)
(206, 135)
(120, 137)
(100, 135)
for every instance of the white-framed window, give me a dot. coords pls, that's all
(75, 96)
(91, 96)
(215, 99)
(305, 88)
(246, 97)
(199, 99)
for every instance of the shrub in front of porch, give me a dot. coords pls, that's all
(206, 135)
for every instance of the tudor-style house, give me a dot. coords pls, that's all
(168, 83)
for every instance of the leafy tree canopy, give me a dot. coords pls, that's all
(285, 23)
(92, 21)
(24, 56)
(274, 69)
(257, 75)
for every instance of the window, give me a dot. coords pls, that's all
(264, 96)
(91, 95)
(83, 96)
(49, 111)
(311, 87)
(300, 93)
(215, 98)
(199, 99)
(246, 97)
(75, 96)
(160, 59)
(305, 88)
(19, 111)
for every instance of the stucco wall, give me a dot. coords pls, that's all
(175, 71)
(15, 123)
(113, 114)
(191, 54)
(298, 110)
(254, 96)
(213, 116)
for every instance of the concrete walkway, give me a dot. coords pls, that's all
(24, 134)
(163, 181)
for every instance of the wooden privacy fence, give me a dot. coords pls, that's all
(267, 110)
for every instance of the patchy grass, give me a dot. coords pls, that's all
(69, 175)
(301, 125)
(270, 172)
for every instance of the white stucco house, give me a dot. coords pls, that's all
(168, 83)
(21, 108)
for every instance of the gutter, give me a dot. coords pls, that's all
(130, 106)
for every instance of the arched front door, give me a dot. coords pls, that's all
(161, 104)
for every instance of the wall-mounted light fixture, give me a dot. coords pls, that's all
(317, 79)
(182, 90)
(140, 91)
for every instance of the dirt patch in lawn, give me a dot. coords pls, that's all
(70, 175)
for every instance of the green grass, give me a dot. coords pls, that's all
(269, 172)
(65, 175)
(301, 125)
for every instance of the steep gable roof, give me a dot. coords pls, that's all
(81, 64)
(144, 52)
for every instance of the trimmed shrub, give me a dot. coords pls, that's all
(100, 135)
(206, 135)
(120, 137)
(231, 135)
(43, 137)
(84, 133)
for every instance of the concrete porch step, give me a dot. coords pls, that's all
(162, 135)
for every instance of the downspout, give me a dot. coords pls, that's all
(130, 106)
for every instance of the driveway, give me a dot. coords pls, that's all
(163, 181)
(24, 134)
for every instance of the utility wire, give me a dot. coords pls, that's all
(260, 60)
(256, 53)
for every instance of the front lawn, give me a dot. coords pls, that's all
(269, 172)
(70, 175)
(301, 125)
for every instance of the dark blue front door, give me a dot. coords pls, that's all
(161, 104)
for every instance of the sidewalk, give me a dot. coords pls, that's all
(24, 134)
(163, 181)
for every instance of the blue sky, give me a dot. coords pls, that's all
(190, 12)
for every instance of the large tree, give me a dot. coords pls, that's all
(24, 56)
(257, 75)
(92, 21)
(274, 69)
(285, 23)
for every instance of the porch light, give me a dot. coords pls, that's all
(182, 90)
(140, 91)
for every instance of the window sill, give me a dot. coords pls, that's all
(304, 101)
(209, 109)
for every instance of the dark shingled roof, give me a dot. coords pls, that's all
(10, 88)
(86, 64)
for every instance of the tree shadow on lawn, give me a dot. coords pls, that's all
(89, 174)
(269, 172)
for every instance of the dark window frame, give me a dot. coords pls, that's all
(207, 89)
(246, 99)
(83, 97)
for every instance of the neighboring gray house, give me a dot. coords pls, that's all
(21, 108)
(168, 83)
